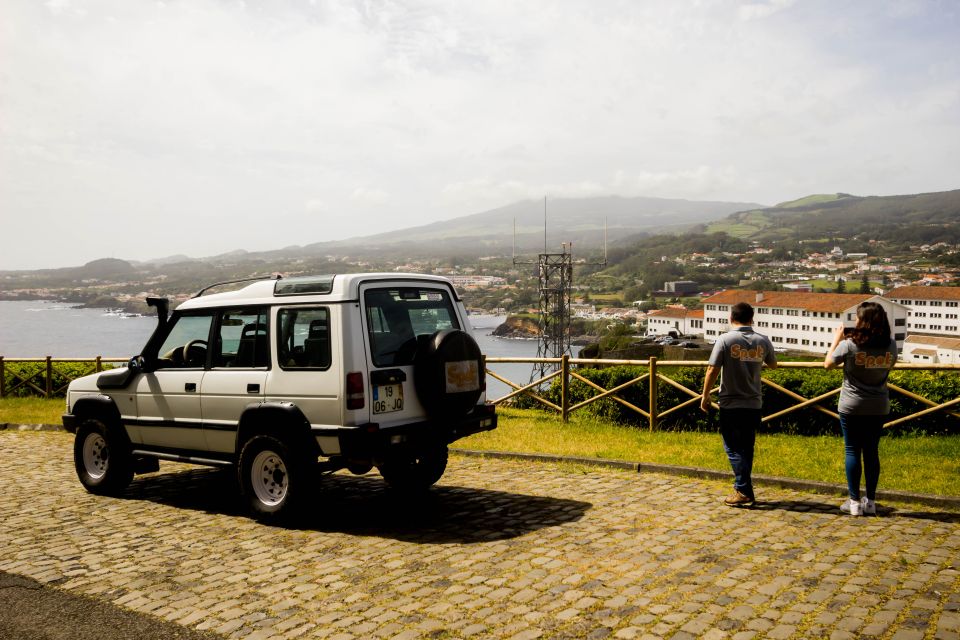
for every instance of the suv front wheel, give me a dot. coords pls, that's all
(102, 460)
(272, 478)
(414, 470)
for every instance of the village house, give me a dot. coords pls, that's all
(931, 350)
(795, 320)
(932, 310)
(681, 321)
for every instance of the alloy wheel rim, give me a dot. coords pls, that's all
(96, 456)
(269, 478)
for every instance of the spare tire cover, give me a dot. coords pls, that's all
(447, 373)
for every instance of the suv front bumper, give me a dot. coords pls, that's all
(372, 439)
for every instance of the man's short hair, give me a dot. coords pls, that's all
(741, 313)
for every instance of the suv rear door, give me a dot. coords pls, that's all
(395, 316)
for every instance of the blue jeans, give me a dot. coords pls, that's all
(861, 439)
(738, 427)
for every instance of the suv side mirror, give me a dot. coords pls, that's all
(139, 364)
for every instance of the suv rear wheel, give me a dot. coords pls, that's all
(414, 470)
(102, 459)
(272, 478)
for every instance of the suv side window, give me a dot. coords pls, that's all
(242, 339)
(396, 316)
(304, 338)
(185, 346)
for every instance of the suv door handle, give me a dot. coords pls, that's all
(190, 387)
(253, 388)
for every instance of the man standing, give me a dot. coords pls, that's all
(737, 358)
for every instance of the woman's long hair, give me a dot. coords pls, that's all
(873, 328)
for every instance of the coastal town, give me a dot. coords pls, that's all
(800, 296)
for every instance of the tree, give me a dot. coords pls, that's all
(841, 285)
(864, 284)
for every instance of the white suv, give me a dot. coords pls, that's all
(288, 377)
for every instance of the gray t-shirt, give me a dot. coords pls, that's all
(740, 354)
(864, 390)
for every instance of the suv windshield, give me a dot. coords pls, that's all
(397, 316)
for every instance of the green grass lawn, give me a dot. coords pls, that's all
(921, 464)
(31, 410)
(908, 463)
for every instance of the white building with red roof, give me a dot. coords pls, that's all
(931, 350)
(932, 310)
(797, 320)
(681, 321)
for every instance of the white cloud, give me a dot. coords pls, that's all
(758, 10)
(334, 117)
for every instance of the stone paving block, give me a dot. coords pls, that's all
(498, 549)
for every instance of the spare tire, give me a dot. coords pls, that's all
(447, 373)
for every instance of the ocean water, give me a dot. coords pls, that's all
(34, 329)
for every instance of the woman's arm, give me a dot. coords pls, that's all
(828, 362)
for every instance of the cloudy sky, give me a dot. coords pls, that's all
(137, 129)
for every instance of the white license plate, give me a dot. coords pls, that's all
(388, 398)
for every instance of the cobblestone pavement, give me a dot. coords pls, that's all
(497, 550)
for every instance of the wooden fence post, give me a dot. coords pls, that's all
(565, 387)
(99, 364)
(49, 387)
(3, 378)
(653, 393)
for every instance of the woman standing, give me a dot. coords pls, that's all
(867, 356)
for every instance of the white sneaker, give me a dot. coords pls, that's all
(853, 507)
(868, 507)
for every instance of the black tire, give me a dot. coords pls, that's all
(411, 471)
(273, 479)
(102, 458)
(448, 373)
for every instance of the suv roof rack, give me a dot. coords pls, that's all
(275, 276)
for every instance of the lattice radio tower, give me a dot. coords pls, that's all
(555, 283)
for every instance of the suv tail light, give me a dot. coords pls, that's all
(355, 398)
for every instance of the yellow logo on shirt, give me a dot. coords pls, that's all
(747, 355)
(885, 361)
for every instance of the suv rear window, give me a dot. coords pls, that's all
(304, 338)
(397, 315)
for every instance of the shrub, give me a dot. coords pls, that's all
(936, 386)
(63, 372)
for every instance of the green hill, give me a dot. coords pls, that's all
(898, 220)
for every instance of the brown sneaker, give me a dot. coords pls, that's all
(739, 500)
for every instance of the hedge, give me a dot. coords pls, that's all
(935, 386)
(63, 373)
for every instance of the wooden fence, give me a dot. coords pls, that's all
(40, 381)
(652, 413)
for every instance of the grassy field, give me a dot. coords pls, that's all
(31, 410)
(920, 464)
(909, 463)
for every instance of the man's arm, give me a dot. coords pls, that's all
(771, 360)
(709, 380)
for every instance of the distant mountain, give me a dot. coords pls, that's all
(578, 220)
(907, 219)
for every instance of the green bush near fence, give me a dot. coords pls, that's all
(63, 372)
(936, 386)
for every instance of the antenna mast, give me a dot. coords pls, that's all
(554, 286)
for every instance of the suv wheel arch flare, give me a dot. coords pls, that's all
(102, 408)
(441, 357)
(282, 420)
